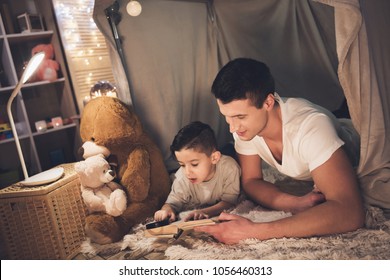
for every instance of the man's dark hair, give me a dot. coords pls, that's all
(244, 78)
(196, 135)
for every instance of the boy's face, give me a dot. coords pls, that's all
(198, 167)
(244, 118)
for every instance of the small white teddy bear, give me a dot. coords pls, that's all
(99, 192)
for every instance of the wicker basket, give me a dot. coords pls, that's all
(42, 222)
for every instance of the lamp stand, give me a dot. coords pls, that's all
(11, 120)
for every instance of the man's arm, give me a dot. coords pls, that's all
(341, 212)
(269, 195)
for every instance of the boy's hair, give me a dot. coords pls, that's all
(244, 78)
(196, 135)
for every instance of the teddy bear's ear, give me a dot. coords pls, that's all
(90, 148)
(80, 166)
(89, 171)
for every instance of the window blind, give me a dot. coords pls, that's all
(85, 47)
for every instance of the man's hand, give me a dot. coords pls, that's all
(231, 230)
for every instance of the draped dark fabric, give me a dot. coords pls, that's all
(324, 51)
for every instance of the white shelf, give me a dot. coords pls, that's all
(21, 137)
(54, 130)
(40, 83)
(36, 100)
(34, 84)
(8, 88)
(26, 37)
(51, 130)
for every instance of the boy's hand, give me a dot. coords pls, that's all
(196, 215)
(164, 214)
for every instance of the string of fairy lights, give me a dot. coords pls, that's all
(85, 47)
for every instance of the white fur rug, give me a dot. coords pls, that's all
(372, 242)
(361, 244)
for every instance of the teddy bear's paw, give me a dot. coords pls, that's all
(103, 229)
(97, 236)
(114, 212)
(95, 205)
(117, 203)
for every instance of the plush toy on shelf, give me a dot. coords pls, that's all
(48, 69)
(99, 192)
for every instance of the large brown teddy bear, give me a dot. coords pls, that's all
(141, 171)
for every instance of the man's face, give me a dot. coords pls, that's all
(244, 118)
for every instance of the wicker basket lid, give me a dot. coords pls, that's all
(18, 189)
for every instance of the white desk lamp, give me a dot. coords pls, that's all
(31, 67)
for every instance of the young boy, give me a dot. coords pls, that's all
(206, 180)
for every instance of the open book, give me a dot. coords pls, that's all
(177, 228)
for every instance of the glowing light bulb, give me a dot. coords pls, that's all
(134, 8)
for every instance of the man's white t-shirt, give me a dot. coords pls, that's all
(311, 134)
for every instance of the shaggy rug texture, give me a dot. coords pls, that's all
(360, 244)
(371, 242)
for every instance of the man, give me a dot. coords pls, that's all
(301, 140)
